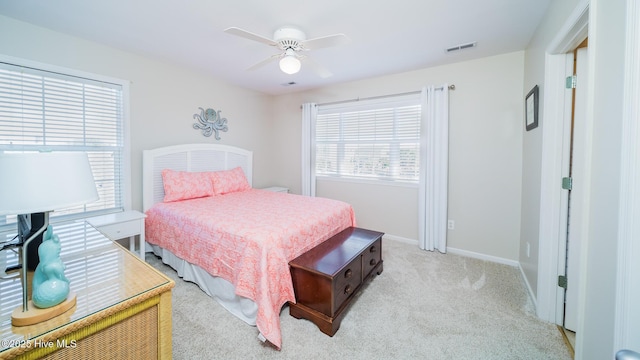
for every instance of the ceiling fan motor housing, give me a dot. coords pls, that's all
(289, 38)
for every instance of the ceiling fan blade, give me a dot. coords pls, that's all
(315, 67)
(325, 41)
(264, 62)
(249, 35)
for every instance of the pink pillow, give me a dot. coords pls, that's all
(229, 181)
(183, 185)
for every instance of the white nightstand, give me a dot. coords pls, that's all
(277, 189)
(121, 225)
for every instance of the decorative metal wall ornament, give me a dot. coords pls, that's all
(210, 121)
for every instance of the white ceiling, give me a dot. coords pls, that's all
(385, 36)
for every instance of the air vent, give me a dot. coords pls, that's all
(462, 46)
(289, 83)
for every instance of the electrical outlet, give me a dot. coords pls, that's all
(451, 225)
(528, 249)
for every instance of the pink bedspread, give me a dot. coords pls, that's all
(248, 238)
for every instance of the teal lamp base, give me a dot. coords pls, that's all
(51, 295)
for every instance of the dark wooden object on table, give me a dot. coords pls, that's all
(327, 277)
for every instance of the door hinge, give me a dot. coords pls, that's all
(562, 281)
(570, 82)
(567, 183)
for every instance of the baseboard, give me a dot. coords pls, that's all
(480, 256)
(532, 295)
(401, 239)
(460, 252)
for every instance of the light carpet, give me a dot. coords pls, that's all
(424, 305)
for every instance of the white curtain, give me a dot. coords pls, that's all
(434, 168)
(309, 113)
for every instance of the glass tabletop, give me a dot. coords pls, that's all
(101, 273)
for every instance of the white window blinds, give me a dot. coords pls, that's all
(373, 139)
(42, 110)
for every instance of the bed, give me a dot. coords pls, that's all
(235, 244)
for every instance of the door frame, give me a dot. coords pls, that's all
(627, 318)
(553, 209)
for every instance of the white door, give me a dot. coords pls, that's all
(577, 195)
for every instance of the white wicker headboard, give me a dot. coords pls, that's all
(188, 157)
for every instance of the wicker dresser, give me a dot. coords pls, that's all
(123, 309)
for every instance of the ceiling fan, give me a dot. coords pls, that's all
(291, 42)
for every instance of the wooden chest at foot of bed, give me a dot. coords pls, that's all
(327, 277)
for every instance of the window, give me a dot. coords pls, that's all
(372, 139)
(48, 110)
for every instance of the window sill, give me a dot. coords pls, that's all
(367, 181)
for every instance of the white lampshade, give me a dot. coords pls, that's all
(39, 182)
(289, 64)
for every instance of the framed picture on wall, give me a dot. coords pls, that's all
(531, 109)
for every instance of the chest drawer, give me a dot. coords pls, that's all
(371, 257)
(345, 283)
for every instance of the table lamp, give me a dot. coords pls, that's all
(42, 182)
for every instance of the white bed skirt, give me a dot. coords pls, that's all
(216, 287)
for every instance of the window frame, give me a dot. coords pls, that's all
(7, 229)
(395, 101)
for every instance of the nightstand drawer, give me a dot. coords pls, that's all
(121, 230)
(120, 225)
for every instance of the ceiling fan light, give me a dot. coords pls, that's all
(290, 64)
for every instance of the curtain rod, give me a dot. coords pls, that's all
(451, 87)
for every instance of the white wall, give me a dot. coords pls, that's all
(486, 122)
(164, 97)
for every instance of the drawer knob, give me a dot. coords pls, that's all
(373, 249)
(348, 273)
(372, 262)
(348, 289)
